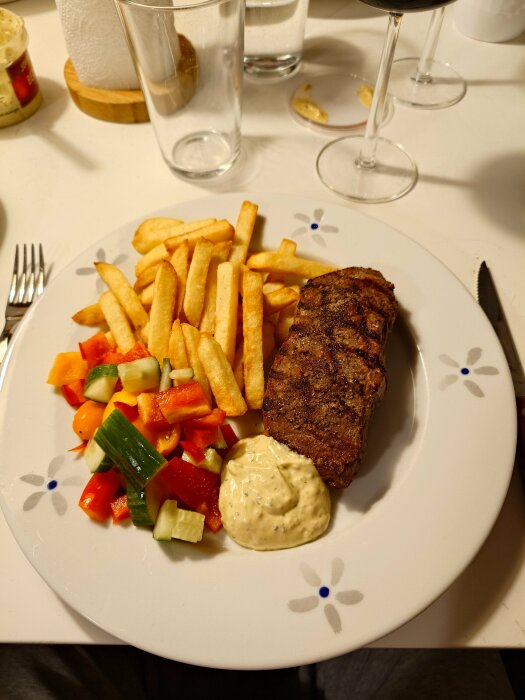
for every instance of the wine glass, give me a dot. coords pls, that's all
(371, 168)
(425, 82)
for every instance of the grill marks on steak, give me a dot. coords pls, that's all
(329, 373)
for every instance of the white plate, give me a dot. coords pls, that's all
(440, 457)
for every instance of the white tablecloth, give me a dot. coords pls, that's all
(67, 179)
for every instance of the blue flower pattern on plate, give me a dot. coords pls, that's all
(465, 370)
(324, 593)
(314, 224)
(49, 485)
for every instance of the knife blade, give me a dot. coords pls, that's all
(489, 301)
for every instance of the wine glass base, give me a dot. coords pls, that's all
(335, 102)
(445, 87)
(393, 176)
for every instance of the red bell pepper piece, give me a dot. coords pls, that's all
(211, 512)
(99, 493)
(73, 392)
(150, 411)
(138, 351)
(94, 349)
(181, 480)
(182, 402)
(201, 437)
(204, 431)
(229, 435)
(196, 454)
(214, 418)
(113, 357)
(131, 412)
(120, 509)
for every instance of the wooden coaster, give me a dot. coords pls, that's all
(122, 106)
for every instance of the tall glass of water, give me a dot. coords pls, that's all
(273, 37)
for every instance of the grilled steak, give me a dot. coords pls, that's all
(329, 373)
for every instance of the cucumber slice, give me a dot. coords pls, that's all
(220, 443)
(128, 449)
(189, 458)
(188, 526)
(140, 375)
(100, 383)
(165, 519)
(212, 461)
(165, 379)
(97, 460)
(182, 376)
(144, 505)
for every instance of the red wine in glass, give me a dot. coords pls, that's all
(406, 5)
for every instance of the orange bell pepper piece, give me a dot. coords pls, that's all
(67, 368)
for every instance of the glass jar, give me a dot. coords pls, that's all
(20, 95)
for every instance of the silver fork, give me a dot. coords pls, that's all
(27, 283)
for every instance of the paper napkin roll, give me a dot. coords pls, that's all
(96, 44)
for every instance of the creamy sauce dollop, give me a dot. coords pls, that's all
(272, 497)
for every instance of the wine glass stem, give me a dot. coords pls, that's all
(367, 157)
(423, 72)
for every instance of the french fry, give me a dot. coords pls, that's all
(117, 321)
(272, 286)
(162, 311)
(243, 232)
(146, 278)
(151, 232)
(252, 321)
(242, 270)
(220, 254)
(226, 308)
(286, 247)
(143, 334)
(180, 262)
(220, 376)
(218, 231)
(285, 320)
(287, 265)
(177, 348)
(191, 343)
(91, 315)
(146, 296)
(196, 282)
(238, 366)
(268, 339)
(279, 299)
(152, 257)
(126, 295)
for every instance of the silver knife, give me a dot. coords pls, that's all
(490, 303)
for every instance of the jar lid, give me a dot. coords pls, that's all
(13, 37)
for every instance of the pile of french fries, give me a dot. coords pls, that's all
(201, 298)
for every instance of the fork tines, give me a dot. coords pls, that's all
(27, 282)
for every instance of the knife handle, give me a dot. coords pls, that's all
(520, 448)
